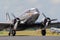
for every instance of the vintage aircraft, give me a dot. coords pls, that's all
(28, 20)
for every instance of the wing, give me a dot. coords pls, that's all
(29, 26)
(4, 25)
(34, 26)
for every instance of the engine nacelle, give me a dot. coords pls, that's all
(16, 23)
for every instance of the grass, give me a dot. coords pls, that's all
(29, 33)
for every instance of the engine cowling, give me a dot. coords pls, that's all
(16, 23)
(47, 20)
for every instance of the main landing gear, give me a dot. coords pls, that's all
(12, 32)
(43, 32)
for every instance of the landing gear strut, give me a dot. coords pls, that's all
(43, 32)
(12, 32)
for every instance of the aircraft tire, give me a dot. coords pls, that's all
(9, 34)
(43, 32)
(14, 33)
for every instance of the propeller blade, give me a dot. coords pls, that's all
(53, 19)
(7, 16)
(13, 15)
(44, 15)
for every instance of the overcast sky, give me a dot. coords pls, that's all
(51, 8)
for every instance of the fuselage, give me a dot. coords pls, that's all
(30, 16)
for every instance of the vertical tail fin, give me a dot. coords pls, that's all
(7, 17)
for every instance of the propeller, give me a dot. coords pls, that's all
(13, 15)
(48, 18)
(16, 17)
(16, 21)
(7, 16)
(44, 15)
(53, 19)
